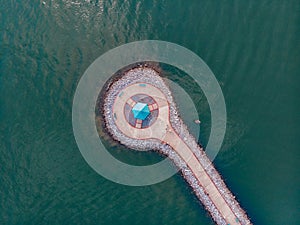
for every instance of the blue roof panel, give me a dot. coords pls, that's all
(140, 111)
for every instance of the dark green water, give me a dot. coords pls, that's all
(251, 46)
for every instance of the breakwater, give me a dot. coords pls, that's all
(171, 138)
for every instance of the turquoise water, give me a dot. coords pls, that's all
(251, 46)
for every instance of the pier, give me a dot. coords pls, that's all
(141, 114)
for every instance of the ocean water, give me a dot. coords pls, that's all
(45, 46)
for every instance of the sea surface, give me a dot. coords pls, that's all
(45, 46)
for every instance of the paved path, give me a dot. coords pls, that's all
(162, 130)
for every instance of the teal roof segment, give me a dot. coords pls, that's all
(140, 111)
